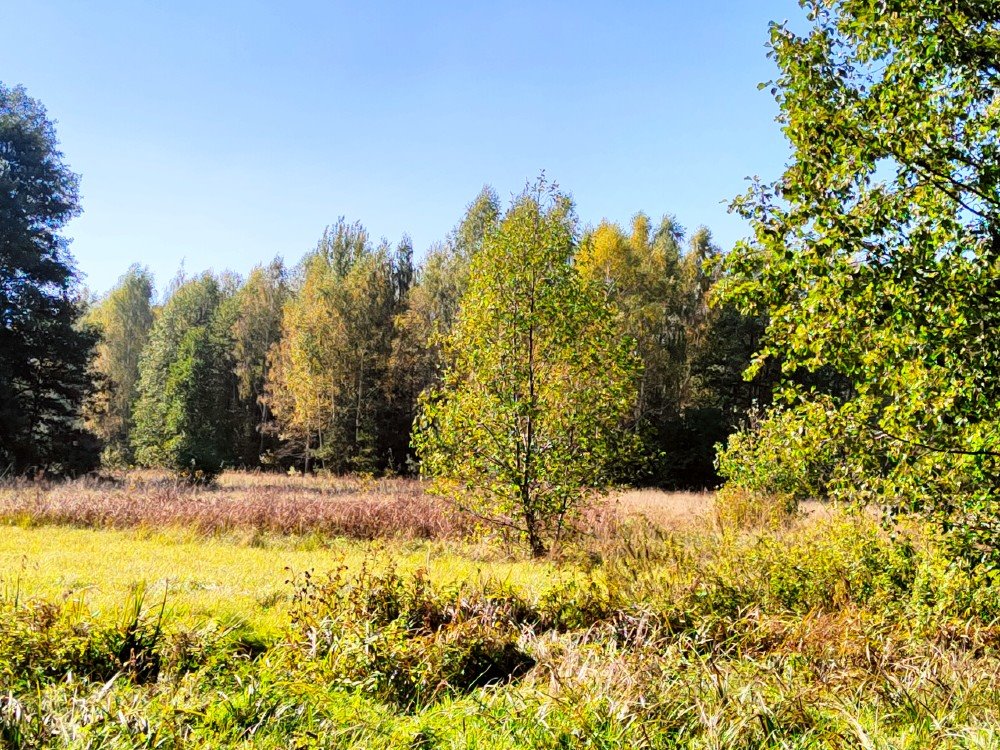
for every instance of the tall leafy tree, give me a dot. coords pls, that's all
(660, 287)
(641, 273)
(44, 353)
(123, 320)
(876, 255)
(184, 413)
(328, 383)
(255, 312)
(538, 384)
(429, 312)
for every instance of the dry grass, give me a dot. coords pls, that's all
(681, 510)
(668, 510)
(352, 507)
(358, 508)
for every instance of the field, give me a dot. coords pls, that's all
(275, 611)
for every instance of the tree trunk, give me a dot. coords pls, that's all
(531, 527)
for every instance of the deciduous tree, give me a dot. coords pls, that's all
(876, 255)
(539, 381)
(123, 320)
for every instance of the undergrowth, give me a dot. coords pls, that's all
(805, 634)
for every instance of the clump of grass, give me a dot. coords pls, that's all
(44, 640)
(739, 509)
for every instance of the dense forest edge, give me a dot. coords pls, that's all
(446, 451)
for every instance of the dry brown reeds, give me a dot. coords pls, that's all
(354, 507)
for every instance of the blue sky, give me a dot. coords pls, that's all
(224, 133)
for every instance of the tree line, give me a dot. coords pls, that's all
(865, 302)
(322, 365)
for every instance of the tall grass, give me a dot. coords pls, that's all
(355, 508)
(730, 629)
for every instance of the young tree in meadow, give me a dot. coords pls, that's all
(876, 256)
(123, 320)
(539, 381)
(44, 352)
(184, 413)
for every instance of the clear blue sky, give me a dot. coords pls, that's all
(224, 133)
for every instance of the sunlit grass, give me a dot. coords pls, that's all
(667, 623)
(236, 579)
(239, 573)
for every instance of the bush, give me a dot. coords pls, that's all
(42, 641)
(790, 453)
(401, 640)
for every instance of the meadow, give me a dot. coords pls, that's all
(275, 611)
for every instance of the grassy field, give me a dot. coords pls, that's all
(359, 613)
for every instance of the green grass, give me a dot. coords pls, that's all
(738, 628)
(230, 578)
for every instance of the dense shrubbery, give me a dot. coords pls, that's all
(791, 453)
(403, 640)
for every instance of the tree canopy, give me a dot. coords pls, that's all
(876, 255)
(538, 382)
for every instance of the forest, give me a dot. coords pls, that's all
(547, 483)
(320, 365)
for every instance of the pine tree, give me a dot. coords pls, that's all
(44, 353)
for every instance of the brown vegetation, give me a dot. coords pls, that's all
(354, 507)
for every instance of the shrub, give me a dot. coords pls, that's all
(42, 641)
(402, 640)
(787, 452)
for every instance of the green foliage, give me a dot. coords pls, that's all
(430, 311)
(539, 382)
(183, 417)
(44, 353)
(876, 255)
(123, 320)
(328, 380)
(255, 312)
(402, 640)
(793, 453)
(42, 641)
(691, 394)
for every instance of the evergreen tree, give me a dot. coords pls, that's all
(184, 413)
(44, 352)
